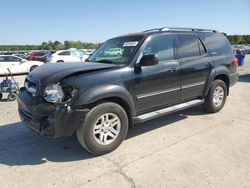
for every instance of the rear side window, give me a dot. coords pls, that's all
(64, 53)
(188, 46)
(162, 46)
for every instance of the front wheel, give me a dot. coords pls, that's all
(216, 98)
(104, 128)
(33, 67)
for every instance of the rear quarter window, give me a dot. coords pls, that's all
(217, 43)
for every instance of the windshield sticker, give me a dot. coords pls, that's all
(132, 43)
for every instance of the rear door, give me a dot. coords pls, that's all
(195, 65)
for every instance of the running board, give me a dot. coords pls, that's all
(168, 110)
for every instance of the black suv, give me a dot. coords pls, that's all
(129, 79)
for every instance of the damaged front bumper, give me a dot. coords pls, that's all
(46, 118)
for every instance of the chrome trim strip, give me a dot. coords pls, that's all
(157, 93)
(192, 85)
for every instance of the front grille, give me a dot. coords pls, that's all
(25, 115)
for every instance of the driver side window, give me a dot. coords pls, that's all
(162, 46)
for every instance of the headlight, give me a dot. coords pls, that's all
(53, 93)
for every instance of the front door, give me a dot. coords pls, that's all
(158, 86)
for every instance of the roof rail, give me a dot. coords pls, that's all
(179, 29)
(152, 30)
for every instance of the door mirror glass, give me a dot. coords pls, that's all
(149, 60)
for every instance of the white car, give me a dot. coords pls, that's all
(70, 55)
(16, 65)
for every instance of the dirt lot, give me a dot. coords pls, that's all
(185, 149)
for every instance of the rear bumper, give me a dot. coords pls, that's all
(233, 78)
(46, 118)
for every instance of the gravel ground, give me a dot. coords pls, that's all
(185, 149)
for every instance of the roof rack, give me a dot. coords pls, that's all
(179, 29)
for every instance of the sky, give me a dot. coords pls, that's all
(34, 21)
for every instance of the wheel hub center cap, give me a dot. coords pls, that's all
(106, 128)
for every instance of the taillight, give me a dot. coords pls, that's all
(235, 61)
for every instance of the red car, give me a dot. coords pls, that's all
(37, 56)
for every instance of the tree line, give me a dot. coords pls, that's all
(57, 45)
(239, 39)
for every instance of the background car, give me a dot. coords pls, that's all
(70, 55)
(16, 65)
(38, 56)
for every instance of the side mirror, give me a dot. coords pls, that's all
(149, 60)
(23, 60)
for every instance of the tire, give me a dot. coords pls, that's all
(1, 95)
(33, 67)
(12, 96)
(95, 121)
(60, 61)
(215, 100)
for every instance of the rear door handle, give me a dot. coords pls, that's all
(209, 64)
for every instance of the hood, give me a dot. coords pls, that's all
(55, 72)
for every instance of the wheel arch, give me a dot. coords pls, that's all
(217, 74)
(108, 93)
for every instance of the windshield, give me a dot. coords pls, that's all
(117, 50)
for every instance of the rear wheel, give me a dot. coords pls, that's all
(12, 96)
(216, 98)
(1, 95)
(104, 128)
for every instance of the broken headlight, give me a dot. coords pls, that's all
(56, 94)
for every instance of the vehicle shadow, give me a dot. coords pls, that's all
(20, 146)
(151, 125)
(244, 78)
